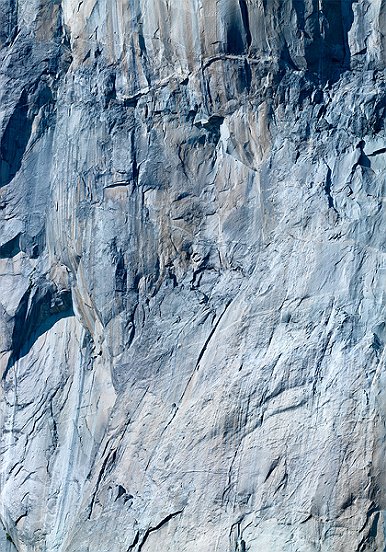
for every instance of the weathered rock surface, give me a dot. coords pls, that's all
(192, 275)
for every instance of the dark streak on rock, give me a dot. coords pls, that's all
(156, 528)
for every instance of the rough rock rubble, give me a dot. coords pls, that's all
(192, 275)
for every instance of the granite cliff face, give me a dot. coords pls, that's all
(192, 275)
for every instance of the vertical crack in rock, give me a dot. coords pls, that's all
(327, 189)
(245, 17)
(108, 463)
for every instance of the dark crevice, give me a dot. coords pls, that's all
(135, 167)
(121, 184)
(238, 36)
(142, 44)
(244, 80)
(109, 89)
(241, 546)
(120, 275)
(245, 17)
(299, 9)
(363, 160)
(272, 468)
(172, 276)
(371, 535)
(327, 189)
(157, 527)
(121, 492)
(348, 502)
(132, 101)
(134, 543)
(211, 334)
(22, 516)
(106, 466)
(212, 126)
(377, 152)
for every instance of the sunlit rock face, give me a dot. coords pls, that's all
(192, 275)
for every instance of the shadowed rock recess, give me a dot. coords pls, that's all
(192, 275)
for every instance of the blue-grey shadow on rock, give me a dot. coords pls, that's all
(325, 34)
(38, 311)
(14, 141)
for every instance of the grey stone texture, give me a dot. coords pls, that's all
(192, 275)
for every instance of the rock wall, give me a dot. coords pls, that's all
(192, 275)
